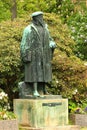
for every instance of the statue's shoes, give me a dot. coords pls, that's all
(37, 95)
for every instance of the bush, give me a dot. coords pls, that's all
(78, 28)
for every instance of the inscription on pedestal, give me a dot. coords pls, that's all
(53, 104)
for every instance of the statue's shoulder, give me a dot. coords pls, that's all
(28, 29)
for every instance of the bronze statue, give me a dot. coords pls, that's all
(37, 48)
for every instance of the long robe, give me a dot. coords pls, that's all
(36, 55)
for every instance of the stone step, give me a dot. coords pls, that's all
(67, 127)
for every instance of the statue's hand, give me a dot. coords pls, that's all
(27, 57)
(52, 44)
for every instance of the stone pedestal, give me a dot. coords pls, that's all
(46, 112)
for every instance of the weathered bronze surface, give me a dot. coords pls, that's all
(36, 49)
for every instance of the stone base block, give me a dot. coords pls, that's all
(41, 112)
(68, 127)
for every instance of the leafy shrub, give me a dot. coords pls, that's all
(74, 14)
(65, 9)
(78, 28)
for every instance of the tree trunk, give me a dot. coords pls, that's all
(13, 10)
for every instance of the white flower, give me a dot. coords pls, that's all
(85, 63)
(57, 81)
(6, 95)
(2, 94)
(5, 116)
(0, 97)
(73, 37)
(73, 30)
(60, 56)
(85, 40)
(75, 91)
(81, 36)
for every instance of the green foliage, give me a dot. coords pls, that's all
(78, 28)
(26, 6)
(75, 15)
(77, 107)
(65, 9)
(4, 12)
(9, 56)
(70, 74)
(7, 115)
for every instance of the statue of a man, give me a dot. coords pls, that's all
(36, 52)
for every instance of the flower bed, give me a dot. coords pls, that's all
(5, 113)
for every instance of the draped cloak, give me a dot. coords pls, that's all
(36, 54)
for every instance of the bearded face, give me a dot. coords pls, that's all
(38, 20)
